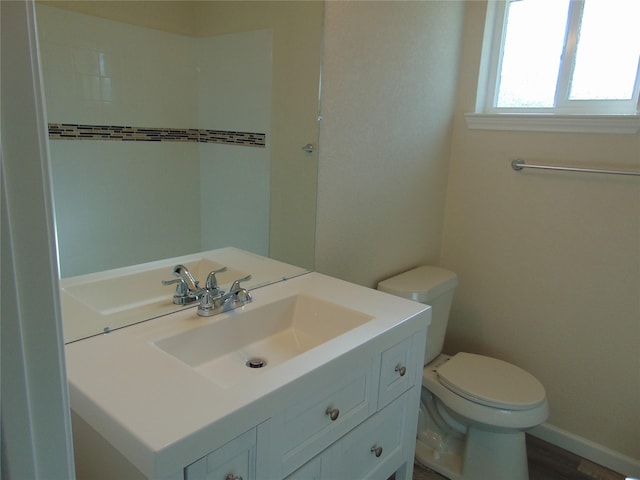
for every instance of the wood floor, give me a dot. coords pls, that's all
(546, 462)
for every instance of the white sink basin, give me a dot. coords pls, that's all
(264, 336)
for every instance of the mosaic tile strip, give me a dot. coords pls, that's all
(72, 131)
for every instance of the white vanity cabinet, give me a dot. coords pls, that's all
(360, 427)
(344, 407)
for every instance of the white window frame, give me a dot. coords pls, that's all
(571, 116)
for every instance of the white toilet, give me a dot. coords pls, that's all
(474, 409)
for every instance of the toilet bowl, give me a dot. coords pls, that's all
(474, 409)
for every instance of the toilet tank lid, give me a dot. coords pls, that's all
(421, 284)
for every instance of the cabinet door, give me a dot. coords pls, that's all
(397, 371)
(374, 449)
(234, 461)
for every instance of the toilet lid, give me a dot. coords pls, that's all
(492, 382)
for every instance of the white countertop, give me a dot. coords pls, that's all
(162, 414)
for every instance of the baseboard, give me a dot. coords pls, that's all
(587, 449)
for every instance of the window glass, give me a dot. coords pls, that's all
(535, 32)
(563, 56)
(606, 61)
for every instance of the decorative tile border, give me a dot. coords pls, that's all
(71, 131)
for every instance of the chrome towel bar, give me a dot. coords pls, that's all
(518, 164)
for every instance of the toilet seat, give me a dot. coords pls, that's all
(491, 382)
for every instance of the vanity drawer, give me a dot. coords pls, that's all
(325, 416)
(234, 460)
(374, 449)
(309, 471)
(397, 371)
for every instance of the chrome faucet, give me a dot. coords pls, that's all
(215, 301)
(187, 287)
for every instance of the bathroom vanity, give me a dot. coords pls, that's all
(317, 378)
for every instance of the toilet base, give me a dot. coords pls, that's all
(448, 464)
(484, 455)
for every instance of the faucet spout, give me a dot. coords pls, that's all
(187, 278)
(187, 289)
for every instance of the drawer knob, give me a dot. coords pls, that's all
(333, 413)
(231, 476)
(376, 450)
(401, 369)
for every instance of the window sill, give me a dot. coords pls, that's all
(535, 122)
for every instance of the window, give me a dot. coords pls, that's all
(561, 57)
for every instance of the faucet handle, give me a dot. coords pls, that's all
(235, 286)
(238, 294)
(212, 281)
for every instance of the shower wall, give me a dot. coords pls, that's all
(161, 141)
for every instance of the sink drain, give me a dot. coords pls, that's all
(256, 362)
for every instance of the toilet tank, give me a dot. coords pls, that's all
(433, 286)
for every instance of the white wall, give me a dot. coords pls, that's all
(388, 89)
(549, 265)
